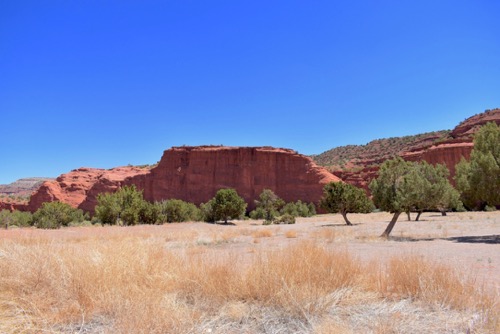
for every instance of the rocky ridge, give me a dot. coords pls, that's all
(360, 163)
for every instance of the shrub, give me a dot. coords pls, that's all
(15, 218)
(299, 209)
(176, 210)
(267, 206)
(285, 219)
(149, 213)
(258, 213)
(124, 206)
(207, 212)
(53, 215)
(22, 219)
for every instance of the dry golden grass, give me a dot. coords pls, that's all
(262, 233)
(327, 234)
(291, 234)
(150, 280)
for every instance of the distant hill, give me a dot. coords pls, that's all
(22, 187)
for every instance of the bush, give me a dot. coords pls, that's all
(176, 210)
(85, 223)
(149, 213)
(53, 215)
(299, 209)
(258, 213)
(267, 206)
(22, 219)
(285, 219)
(207, 211)
(126, 206)
(15, 218)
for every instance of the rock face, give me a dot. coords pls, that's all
(443, 147)
(467, 128)
(195, 174)
(449, 153)
(80, 187)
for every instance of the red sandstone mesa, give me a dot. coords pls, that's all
(195, 174)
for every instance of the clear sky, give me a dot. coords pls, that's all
(103, 83)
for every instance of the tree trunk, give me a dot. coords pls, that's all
(409, 216)
(443, 213)
(345, 218)
(391, 225)
(418, 216)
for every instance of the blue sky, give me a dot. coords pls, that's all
(110, 83)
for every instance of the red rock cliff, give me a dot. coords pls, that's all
(195, 174)
(80, 187)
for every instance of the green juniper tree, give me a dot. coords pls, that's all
(478, 179)
(227, 204)
(344, 198)
(267, 206)
(125, 206)
(404, 186)
(54, 215)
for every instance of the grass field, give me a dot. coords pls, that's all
(440, 275)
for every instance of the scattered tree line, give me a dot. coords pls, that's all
(127, 206)
(401, 187)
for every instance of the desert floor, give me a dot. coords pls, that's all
(469, 242)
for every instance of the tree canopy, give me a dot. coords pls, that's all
(53, 215)
(126, 206)
(344, 198)
(479, 178)
(268, 206)
(404, 186)
(426, 187)
(227, 204)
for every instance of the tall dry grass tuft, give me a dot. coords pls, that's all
(300, 278)
(266, 233)
(124, 283)
(415, 277)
